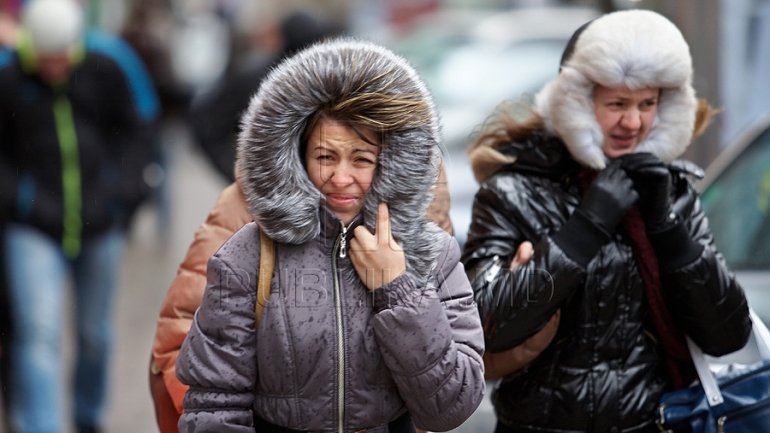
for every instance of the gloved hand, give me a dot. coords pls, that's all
(593, 223)
(668, 234)
(609, 197)
(652, 180)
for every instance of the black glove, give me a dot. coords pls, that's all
(652, 180)
(593, 223)
(609, 198)
(668, 234)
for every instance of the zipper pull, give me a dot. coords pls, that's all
(343, 242)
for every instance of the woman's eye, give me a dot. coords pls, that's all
(325, 159)
(365, 161)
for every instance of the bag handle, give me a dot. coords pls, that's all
(706, 377)
(265, 275)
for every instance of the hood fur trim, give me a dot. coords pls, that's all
(279, 193)
(635, 49)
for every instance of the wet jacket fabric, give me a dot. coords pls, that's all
(75, 154)
(329, 354)
(604, 371)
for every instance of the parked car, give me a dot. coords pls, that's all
(736, 199)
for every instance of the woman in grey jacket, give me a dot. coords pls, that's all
(370, 320)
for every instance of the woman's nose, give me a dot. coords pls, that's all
(341, 176)
(631, 120)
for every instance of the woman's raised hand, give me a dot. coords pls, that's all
(377, 258)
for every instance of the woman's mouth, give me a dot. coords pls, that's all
(624, 140)
(335, 199)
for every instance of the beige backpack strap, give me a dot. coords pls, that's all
(265, 275)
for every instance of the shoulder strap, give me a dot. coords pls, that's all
(265, 275)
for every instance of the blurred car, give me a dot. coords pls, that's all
(474, 60)
(736, 199)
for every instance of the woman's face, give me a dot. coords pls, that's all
(341, 164)
(625, 117)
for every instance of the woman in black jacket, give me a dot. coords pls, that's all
(621, 246)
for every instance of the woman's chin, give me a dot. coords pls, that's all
(617, 152)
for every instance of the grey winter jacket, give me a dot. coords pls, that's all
(330, 355)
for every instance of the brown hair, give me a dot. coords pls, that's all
(376, 111)
(509, 122)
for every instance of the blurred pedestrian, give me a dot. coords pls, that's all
(620, 244)
(149, 29)
(337, 160)
(215, 115)
(76, 112)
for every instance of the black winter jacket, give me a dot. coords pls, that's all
(604, 371)
(107, 109)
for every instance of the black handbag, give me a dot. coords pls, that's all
(732, 394)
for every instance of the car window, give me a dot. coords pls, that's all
(737, 204)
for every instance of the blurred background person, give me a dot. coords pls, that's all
(76, 120)
(269, 35)
(149, 28)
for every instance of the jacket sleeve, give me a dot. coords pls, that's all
(214, 358)
(515, 304)
(703, 294)
(184, 295)
(431, 341)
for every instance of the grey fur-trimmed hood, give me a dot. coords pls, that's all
(278, 191)
(633, 48)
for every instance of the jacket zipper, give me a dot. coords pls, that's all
(344, 241)
(340, 250)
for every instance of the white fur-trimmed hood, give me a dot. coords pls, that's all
(279, 193)
(635, 49)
